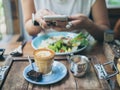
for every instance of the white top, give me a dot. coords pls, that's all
(65, 7)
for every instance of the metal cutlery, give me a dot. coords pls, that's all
(30, 61)
(18, 51)
(1, 54)
(3, 70)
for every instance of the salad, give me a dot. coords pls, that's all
(65, 44)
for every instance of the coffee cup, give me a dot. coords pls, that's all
(44, 59)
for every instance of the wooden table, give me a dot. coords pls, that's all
(15, 80)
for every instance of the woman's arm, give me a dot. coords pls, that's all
(28, 8)
(101, 21)
(117, 30)
(99, 24)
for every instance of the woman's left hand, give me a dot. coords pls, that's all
(77, 21)
(80, 21)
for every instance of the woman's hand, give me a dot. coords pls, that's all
(59, 26)
(77, 21)
(80, 21)
(39, 17)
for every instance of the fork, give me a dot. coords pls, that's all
(19, 50)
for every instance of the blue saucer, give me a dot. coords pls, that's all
(59, 71)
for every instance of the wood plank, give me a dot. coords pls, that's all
(15, 79)
(39, 87)
(68, 83)
(89, 81)
(14, 38)
(108, 52)
(102, 82)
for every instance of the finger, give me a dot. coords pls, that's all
(76, 23)
(43, 24)
(38, 16)
(76, 16)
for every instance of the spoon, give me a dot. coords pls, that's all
(32, 74)
(18, 51)
(69, 56)
(30, 61)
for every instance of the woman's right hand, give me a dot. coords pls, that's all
(39, 17)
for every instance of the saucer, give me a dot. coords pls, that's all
(59, 71)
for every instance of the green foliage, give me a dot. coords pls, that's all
(114, 2)
(1, 9)
(80, 38)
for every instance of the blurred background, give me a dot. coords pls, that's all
(11, 19)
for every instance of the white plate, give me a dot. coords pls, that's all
(59, 71)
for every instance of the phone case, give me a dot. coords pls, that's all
(55, 18)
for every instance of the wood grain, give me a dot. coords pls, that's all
(16, 81)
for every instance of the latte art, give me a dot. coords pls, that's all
(43, 53)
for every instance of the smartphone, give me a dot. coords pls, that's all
(52, 19)
(55, 18)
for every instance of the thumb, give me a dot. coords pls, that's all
(72, 17)
(75, 17)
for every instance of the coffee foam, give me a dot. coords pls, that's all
(43, 53)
